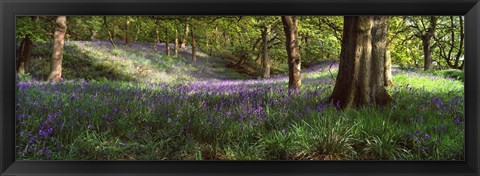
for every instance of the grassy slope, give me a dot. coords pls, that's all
(136, 62)
(214, 115)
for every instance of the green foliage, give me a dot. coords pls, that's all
(36, 30)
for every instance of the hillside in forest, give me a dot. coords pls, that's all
(143, 62)
(146, 62)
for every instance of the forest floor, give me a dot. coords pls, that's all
(134, 103)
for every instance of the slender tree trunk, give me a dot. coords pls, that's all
(26, 50)
(167, 43)
(93, 34)
(175, 47)
(427, 50)
(460, 49)
(217, 42)
(293, 52)
(58, 42)
(156, 39)
(360, 80)
(110, 35)
(127, 23)
(185, 35)
(265, 60)
(194, 48)
(306, 47)
(25, 54)
(137, 34)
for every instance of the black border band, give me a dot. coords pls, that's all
(9, 9)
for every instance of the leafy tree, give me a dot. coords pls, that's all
(424, 28)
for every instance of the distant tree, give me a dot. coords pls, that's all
(290, 26)
(175, 46)
(425, 30)
(127, 24)
(25, 52)
(194, 47)
(265, 57)
(185, 33)
(450, 41)
(360, 80)
(167, 42)
(110, 34)
(58, 43)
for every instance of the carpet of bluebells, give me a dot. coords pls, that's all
(235, 119)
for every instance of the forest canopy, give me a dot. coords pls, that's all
(319, 37)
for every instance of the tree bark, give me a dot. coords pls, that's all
(293, 52)
(58, 42)
(110, 35)
(265, 57)
(360, 80)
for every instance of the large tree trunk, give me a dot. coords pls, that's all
(293, 52)
(58, 42)
(175, 47)
(194, 48)
(110, 35)
(265, 59)
(167, 43)
(185, 35)
(360, 80)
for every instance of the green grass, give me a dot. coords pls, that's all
(109, 119)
